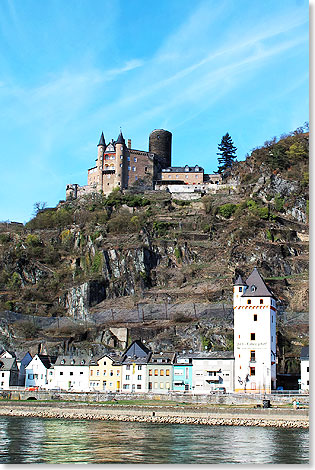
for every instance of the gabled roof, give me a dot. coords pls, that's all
(239, 281)
(305, 352)
(137, 350)
(256, 286)
(8, 363)
(165, 358)
(47, 361)
(208, 355)
(102, 140)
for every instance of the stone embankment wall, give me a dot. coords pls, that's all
(193, 399)
(160, 414)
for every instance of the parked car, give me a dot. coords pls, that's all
(32, 389)
(220, 389)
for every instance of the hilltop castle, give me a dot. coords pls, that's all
(119, 165)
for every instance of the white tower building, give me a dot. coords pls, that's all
(254, 335)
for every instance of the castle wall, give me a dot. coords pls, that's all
(186, 177)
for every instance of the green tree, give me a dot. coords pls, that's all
(226, 153)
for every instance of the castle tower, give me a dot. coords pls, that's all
(160, 143)
(254, 335)
(120, 162)
(100, 154)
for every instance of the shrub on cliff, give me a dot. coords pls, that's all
(227, 210)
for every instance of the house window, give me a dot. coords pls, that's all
(150, 372)
(117, 372)
(91, 372)
(252, 336)
(61, 373)
(170, 176)
(252, 370)
(139, 367)
(126, 386)
(128, 367)
(145, 168)
(261, 301)
(249, 302)
(139, 377)
(240, 289)
(136, 177)
(161, 385)
(308, 382)
(252, 356)
(139, 386)
(162, 372)
(307, 369)
(71, 373)
(81, 373)
(167, 372)
(111, 373)
(156, 372)
(127, 377)
(255, 316)
(167, 385)
(155, 385)
(97, 372)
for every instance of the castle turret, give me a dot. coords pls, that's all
(99, 164)
(254, 335)
(120, 162)
(160, 143)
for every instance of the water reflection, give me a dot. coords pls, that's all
(35, 440)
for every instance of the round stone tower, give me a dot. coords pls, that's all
(160, 143)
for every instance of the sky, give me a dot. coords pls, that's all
(70, 69)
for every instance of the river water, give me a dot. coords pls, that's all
(52, 441)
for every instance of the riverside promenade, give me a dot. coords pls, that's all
(162, 413)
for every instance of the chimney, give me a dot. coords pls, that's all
(129, 143)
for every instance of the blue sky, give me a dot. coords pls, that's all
(70, 69)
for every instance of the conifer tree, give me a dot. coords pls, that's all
(226, 153)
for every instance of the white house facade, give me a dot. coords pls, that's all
(71, 373)
(255, 315)
(37, 372)
(213, 371)
(305, 369)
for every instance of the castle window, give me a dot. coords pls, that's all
(133, 168)
(121, 165)
(128, 158)
(129, 168)
(249, 301)
(261, 301)
(136, 177)
(176, 176)
(135, 159)
(186, 176)
(145, 168)
(170, 176)
(121, 157)
(253, 336)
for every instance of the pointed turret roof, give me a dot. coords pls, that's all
(102, 140)
(239, 281)
(256, 286)
(120, 139)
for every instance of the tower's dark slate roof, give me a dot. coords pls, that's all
(305, 352)
(120, 139)
(256, 286)
(239, 281)
(102, 140)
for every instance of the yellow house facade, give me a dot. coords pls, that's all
(105, 374)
